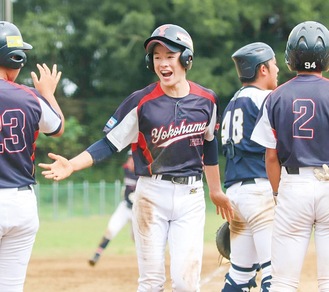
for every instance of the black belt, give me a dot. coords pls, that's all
(25, 188)
(182, 180)
(248, 182)
(292, 170)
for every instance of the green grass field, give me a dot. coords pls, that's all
(65, 238)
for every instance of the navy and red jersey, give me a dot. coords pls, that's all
(295, 121)
(167, 134)
(23, 114)
(130, 181)
(239, 119)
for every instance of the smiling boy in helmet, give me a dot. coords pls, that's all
(169, 201)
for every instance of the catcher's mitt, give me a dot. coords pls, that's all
(223, 240)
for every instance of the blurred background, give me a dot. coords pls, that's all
(98, 45)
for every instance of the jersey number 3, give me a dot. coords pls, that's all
(12, 123)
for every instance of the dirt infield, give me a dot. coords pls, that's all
(118, 273)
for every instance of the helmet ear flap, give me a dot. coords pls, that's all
(15, 59)
(149, 62)
(186, 59)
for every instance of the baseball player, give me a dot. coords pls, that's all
(293, 126)
(246, 181)
(24, 112)
(171, 125)
(123, 213)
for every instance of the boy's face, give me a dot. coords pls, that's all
(167, 66)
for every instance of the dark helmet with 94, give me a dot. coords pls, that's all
(176, 39)
(12, 46)
(308, 47)
(248, 57)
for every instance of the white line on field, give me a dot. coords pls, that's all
(221, 270)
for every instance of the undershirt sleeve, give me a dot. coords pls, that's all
(210, 150)
(100, 150)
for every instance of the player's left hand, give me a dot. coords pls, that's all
(322, 175)
(58, 170)
(223, 205)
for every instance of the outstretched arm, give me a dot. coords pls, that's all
(62, 168)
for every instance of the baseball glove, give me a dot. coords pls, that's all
(223, 240)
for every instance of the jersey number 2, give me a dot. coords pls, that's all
(304, 112)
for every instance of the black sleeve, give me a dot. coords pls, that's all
(101, 150)
(210, 151)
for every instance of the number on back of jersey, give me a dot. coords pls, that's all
(309, 65)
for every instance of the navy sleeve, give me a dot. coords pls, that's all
(101, 150)
(210, 150)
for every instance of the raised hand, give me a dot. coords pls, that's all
(48, 80)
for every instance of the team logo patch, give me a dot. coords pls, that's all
(193, 191)
(14, 41)
(111, 123)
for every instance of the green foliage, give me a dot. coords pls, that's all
(69, 144)
(99, 47)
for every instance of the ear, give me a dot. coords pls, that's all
(263, 69)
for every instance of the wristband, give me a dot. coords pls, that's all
(275, 194)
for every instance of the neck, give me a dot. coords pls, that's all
(178, 90)
(319, 74)
(258, 84)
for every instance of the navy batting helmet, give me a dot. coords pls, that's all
(12, 46)
(176, 39)
(248, 57)
(308, 47)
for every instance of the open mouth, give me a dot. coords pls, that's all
(166, 73)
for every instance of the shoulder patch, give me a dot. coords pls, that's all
(111, 123)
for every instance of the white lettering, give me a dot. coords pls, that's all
(162, 134)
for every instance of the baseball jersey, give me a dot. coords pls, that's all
(295, 121)
(166, 133)
(23, 114)
(130, 181)
(238, 122)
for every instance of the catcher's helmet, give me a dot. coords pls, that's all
(12, 46)
(176, 39)
(248, 57)
(308, 47)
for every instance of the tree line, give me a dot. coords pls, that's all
(99, 48)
